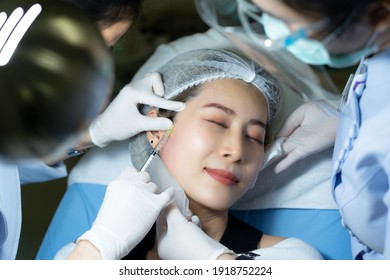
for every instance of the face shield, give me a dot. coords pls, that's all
(56, 75)
(242, 23)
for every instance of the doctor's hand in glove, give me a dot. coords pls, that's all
(129, 210)
(122, 120)
(310, 129)
(181, 239)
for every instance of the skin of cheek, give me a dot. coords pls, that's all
(185, 155)
(182, 152)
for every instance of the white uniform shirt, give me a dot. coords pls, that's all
(11, 177)
(361, 183)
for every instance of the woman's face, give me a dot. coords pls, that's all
(216, 147)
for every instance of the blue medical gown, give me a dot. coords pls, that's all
(81, 202)
(362, 162)
(12, 175)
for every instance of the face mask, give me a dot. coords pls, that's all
(312, 51)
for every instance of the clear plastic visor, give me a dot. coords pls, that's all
(235, 19)
(231, 14)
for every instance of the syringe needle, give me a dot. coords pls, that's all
(156, 150)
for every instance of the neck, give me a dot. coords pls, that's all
(213, 222)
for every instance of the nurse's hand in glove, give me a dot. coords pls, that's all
(180, 239)
(130, 208)
(122, 120)
(310, 129)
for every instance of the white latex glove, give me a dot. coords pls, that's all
(130, 208)
(180, 239)
(122, 119)
(310, 129)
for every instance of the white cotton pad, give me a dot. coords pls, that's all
(164, 180)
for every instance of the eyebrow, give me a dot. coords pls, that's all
(232, 112)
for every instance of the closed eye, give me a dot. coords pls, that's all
(221, 124)
(256, 140)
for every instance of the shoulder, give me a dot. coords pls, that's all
(289, 249)
(269, 240)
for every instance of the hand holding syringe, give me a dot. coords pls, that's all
(163, 178)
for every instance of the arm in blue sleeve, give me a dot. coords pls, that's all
(32, 171)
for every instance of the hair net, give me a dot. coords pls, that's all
(197, 67)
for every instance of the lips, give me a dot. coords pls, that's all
(222, 176)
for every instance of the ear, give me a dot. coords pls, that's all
(154, 136)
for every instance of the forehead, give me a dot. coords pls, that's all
(232, 92)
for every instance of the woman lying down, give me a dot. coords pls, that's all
(214, 154)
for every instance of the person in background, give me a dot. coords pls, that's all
(107, 239)
(17, 165)
(113, 19)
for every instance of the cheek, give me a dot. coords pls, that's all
(259, 161)
(255, 167)
(184, 147)
(172, 152)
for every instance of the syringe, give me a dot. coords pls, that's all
(157, 149)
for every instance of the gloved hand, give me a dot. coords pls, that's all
(310, 129)
(122, 120)
(180, 239)
(130, 208)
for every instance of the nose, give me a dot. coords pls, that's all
(231, 147)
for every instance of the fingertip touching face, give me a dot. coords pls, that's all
(216, 147)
